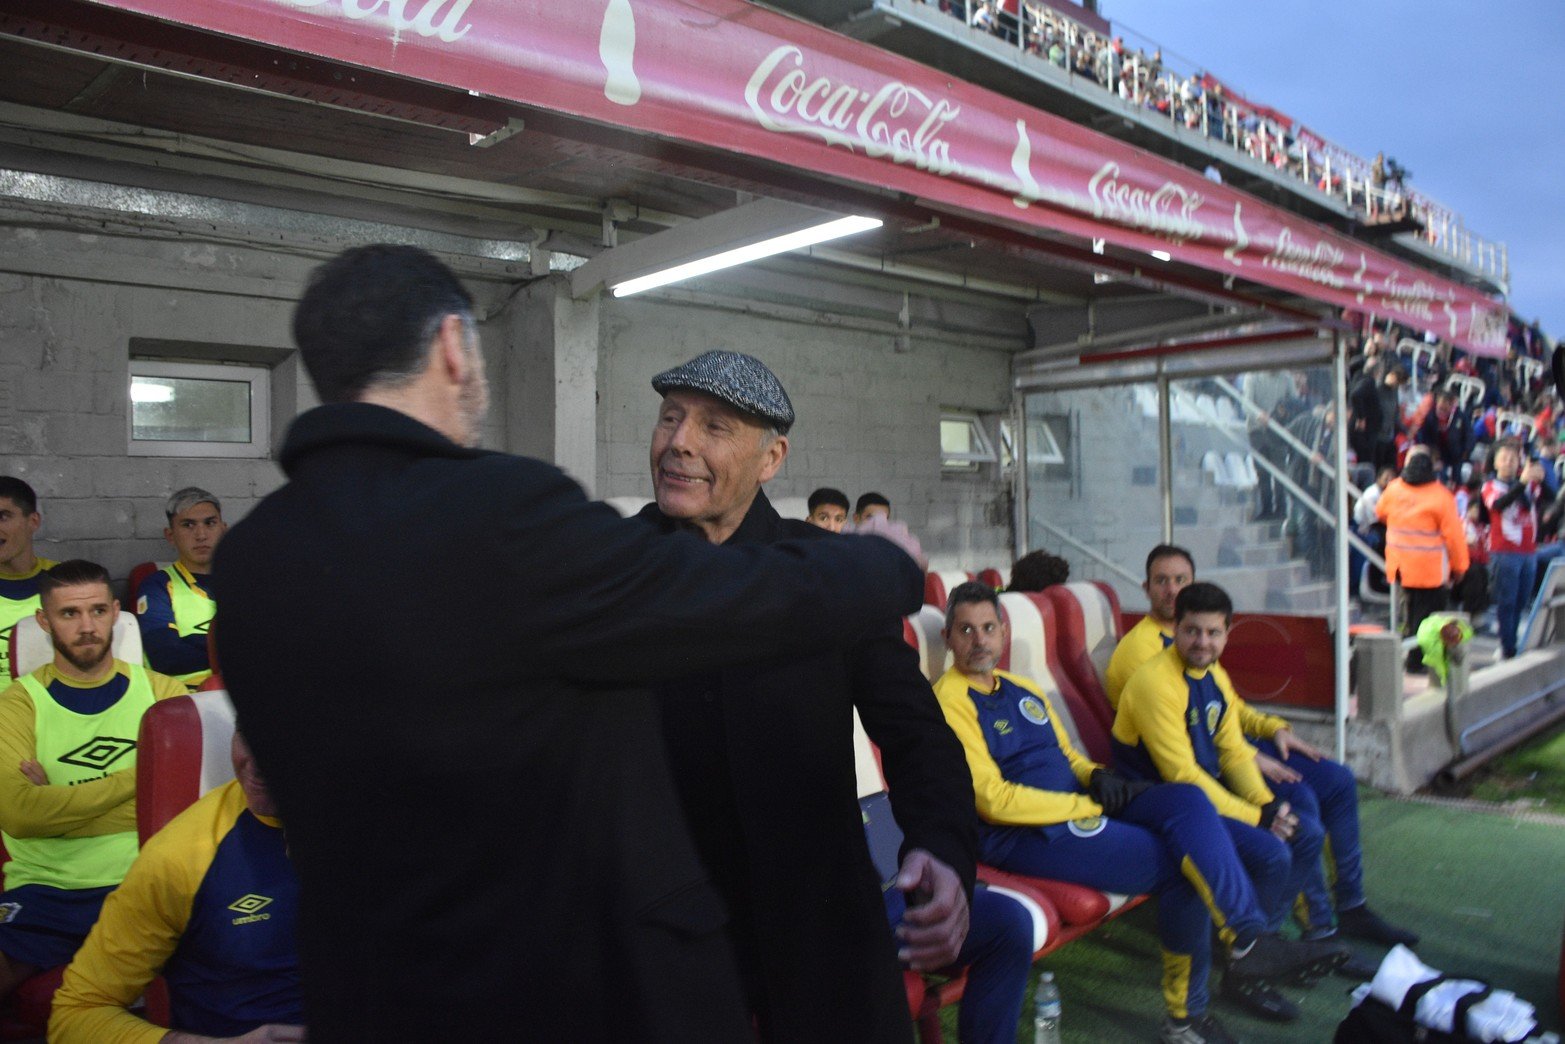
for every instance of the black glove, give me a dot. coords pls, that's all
(1112, 790)
(1269, 813)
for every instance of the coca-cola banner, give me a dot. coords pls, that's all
(729, 74)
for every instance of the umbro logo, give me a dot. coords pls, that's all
(99, 752)
(250, 903)
(249, 907)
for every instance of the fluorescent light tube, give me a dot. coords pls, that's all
(835, 229)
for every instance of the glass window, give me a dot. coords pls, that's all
(963, 442)
(199, 410)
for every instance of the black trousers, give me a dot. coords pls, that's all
(1422, 602)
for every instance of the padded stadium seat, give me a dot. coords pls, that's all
(1212, 463)
(138, 574)
(25, 1015)
(31, 648)
(1087, 619)
(925, 632)
(1032, 654)
(992, 577)
(182, 753)
(937, 585)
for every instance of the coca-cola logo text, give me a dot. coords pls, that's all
(1319, 264)
(1169, 209)
(894, 119)
(440, 19)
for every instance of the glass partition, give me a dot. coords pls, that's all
(1092, 481)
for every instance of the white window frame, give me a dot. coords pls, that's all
(258, 377)
(1045, 454)
(983, 453)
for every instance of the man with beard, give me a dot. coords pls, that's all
(68, 810)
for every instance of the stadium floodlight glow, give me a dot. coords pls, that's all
(822, 233)
(748, 232)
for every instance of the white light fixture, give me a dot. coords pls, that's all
(739, 235)
(1162, 255)
(836, 229)
(145, 391)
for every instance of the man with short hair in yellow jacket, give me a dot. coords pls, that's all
(68, 810)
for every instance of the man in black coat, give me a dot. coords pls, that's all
(763, 754)
(434, 651)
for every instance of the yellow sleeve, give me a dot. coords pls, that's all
(1140, 644)
(1000, 801)
(1235, 755)
(1152, 713)
(28, 810)
(139, 928)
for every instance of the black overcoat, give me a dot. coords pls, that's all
(433, 651)
(762, 755)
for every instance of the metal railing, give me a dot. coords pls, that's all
(1088, 550)
(1054, 38)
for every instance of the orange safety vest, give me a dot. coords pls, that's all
(1425, 539)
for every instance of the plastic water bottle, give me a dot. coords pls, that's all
(1046, 1024)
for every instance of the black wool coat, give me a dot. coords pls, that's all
(435, 653)
(762, 756)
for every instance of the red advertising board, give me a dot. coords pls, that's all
(735, 76)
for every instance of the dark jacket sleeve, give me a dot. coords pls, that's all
(636, 605)
(166, 652)
(926, 772)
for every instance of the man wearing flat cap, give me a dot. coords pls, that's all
(763, 754)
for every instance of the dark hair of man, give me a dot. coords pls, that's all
(1203, 598)
(367, 317)
(871, 500)
(1168, 551)
(19, 493)
(827, 495)
(1038, 570)
(70, 573)
(972, 592)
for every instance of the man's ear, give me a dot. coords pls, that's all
(776, 453)
(451, 358)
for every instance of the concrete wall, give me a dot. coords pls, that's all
(868, 414)
(70, 306)
(72, 303)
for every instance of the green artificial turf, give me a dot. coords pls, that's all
(1534, 773)
(1486, 892)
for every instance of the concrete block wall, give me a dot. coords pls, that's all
(868, 415)
(65, 333)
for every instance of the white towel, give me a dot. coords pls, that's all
(1502, 1016)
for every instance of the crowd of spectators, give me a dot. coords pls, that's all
(1198, 101)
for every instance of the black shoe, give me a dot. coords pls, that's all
(1254, 997)
(1272, 960)
(1363, 923)
(1204, 1029)
(1358, 968)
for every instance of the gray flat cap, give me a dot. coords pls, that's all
(742, 381)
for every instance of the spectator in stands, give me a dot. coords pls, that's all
(210, 904)
(1050, 812)
(1371, 529)
(767, 778)
(503, 622)
(828, 509)
(174, 606)
(1376, 414)
(1513, 499)
(20, 565)
(1316, 431)
(1319, 788)
(1448, 430)
(870, 505)
(1038, 570)
(1426, 546)
(69, 811)
(1268, 391)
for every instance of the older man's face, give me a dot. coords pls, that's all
(708, 460)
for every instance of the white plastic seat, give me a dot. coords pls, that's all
(31, 647)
